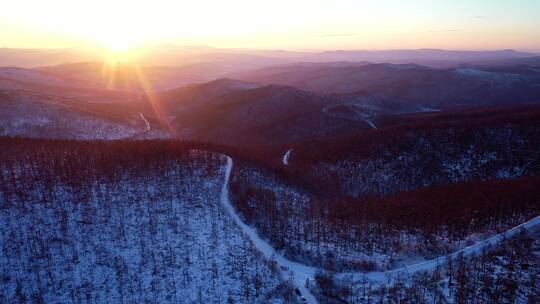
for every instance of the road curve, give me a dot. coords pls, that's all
(474, 249)
(146, 123)
(300, 273)
(297, 272)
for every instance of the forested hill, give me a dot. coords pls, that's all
(122, 222)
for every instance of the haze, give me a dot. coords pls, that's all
(341, 24)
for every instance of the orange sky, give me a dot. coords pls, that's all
(299, 24)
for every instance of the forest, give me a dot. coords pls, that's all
(480, 145)
(125, 222)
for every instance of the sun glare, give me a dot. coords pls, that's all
(115, 41)
(118, 46)
(119, 51)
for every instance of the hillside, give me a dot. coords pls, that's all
(34, 115)
(122, 222)
(426, 149)
(19, 79)
(197, 96)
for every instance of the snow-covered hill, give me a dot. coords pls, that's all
(34, 115)
(113, 229)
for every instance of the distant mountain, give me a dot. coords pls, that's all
(335, 79)
(532, 61)
(130, 76)
(400, 88)
(296, 102)
(51, 85)
(23, 75)
(296, 74)
(171, 55)
(280, 98)
(30, 58)
(234, 112)
(430, 57)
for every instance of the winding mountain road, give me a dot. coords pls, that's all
(297, 272)
(147, 128)
(146, 123)
(300, 274)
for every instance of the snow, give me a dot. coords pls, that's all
(285, 159)
(162, 237)
(18, 117)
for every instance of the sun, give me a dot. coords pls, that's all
(118, 46)
(117, 43)
(117, 38)
(118, 49)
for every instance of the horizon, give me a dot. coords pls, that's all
(299, 50)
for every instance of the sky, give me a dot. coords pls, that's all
(277, 24)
